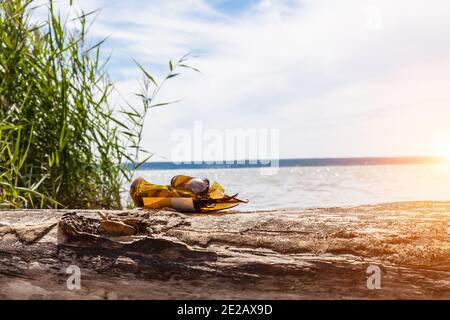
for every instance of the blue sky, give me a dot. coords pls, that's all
(337, 78)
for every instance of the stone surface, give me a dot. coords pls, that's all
(289, 254)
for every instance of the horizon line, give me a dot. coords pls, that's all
(430, 157)
(291, 162)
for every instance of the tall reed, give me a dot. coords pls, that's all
(62, 143)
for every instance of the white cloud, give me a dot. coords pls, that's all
(338, 78)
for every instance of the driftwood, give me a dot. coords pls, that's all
(290, 254)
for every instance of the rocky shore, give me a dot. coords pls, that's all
(386, 251)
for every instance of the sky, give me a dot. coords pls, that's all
(351, 78)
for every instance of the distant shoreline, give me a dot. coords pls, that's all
(311, 162)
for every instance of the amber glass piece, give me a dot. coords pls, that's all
(196, 185)
(141, 188)
(216, 191)
(219, 206)
(179, 181)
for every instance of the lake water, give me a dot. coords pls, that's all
(310, 187)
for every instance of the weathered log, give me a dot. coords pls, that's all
(289, 254)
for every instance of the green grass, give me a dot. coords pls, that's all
(62, 143)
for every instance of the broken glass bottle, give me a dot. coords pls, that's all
(184, 194)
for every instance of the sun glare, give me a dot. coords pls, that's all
(446, 153)
(441, 145)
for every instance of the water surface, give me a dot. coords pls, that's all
(324, 186)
